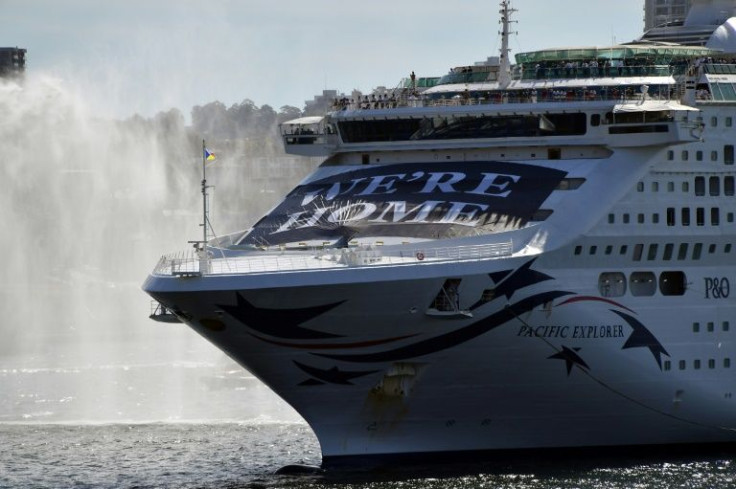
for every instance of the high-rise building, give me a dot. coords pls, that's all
(12, 62)
(659, 12)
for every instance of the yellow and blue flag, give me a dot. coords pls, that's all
(208, 155)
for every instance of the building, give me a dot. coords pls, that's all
(659, 12)
(12, 62)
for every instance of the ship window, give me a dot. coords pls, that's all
(700, 216)
(727, 248)
(670, 186)
(715, 216)
(623, 250)
(638, 249)
(642, 284)
(729, 121)
(699, 186)
(728, 185)
(696, 327)
(578, 250)
(612, 284)
(685, 216)
(712, 248)
(593, 250)
(682, 251)
(729, 216)
(711, 363)
(667, 365)
(655, 218)
(640, 218)
(640, 187)
(682, 365)
(699, 155)
(714, 186)
(626, 218)
(728, 154)
(711, 327)
(611, 218)
(570, 184)
(714, 156)
(670, 155)
(696, 364)
(672, 283)
(652, 253)
(554, 153)
(595, 120)
(541, 215)
(609, 250)
(725, 325)
(670, 216)
(697, 251)
(714, 121)
(668, 248)
(684, 155)
(655, 186)
(366, 158)
(726, 363)
(685, 187)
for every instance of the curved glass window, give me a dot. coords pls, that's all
(642, 284)
(672, 283)
(612, 284)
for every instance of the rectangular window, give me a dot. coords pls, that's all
(609, 250)
(714, 156)
(696, 364)
(714, 186)
(728, 154)
(670, 186)
(700, 216)
(578, 250)
(611, 218)
(684, 155)
(697, 251)
(682, 251)
(699, 186)
(726, 363)
(670, 216)
(715, 216)
(699, 155)
(670, 155)
(729, 121)
(623, 250)
(593, 250)
(685, 216)
(710, 326)
(638, 250)
(655, 186)
(696, 327)
(728, 186)
(640, 218)
(668, 248)
(652, 253)
(725, 325)
(626, 218)
(685, 187)
(655, 218)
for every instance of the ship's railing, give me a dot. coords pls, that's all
(193, 263)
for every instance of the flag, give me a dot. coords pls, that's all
(208, 156)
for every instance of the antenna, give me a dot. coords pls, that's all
(504, 76)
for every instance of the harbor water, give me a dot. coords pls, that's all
(222, 428)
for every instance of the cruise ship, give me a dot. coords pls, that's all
(510, 256)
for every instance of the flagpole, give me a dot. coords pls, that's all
(204, 198)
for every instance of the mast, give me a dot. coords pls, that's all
(504, 75)
(204, 197)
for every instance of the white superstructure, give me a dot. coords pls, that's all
(483, 264)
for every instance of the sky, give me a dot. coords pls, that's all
(145, 56)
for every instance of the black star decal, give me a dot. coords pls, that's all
(333, 375)
(281, 323)
(522, 277)
(570, 357)
(641, 337)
